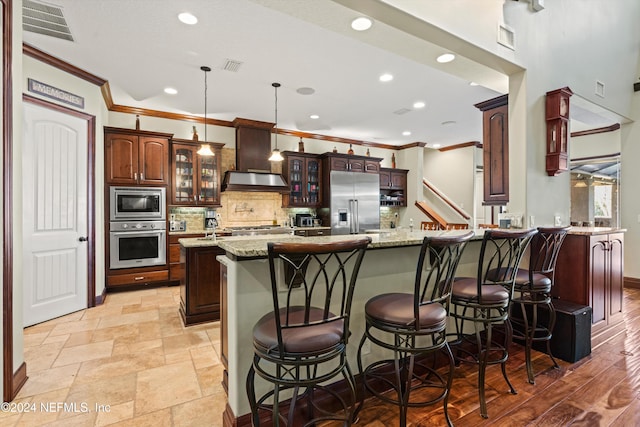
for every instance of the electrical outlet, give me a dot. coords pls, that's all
(557, 220)
(532, 221)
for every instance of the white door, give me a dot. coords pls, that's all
(54, 206)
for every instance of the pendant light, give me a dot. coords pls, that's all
(205, 149)
(275, 154)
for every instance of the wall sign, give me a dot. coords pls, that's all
(55, 93)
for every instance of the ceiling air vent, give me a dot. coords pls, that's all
(232, 65)
(45, 19)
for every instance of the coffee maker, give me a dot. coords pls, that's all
(210, 221)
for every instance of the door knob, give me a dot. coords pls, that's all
(83, 239)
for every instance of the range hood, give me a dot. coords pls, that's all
(253, 146)
(253, 181)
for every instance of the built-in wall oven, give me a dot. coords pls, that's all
(137, 227)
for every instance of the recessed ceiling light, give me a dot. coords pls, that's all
(187, 18)
(418, 104)
(386, 77)
(170, 90)
(406, 133)
(306, 90)
(361, 24)
(446, 57)
(436, 145)
(473, 84)
(314, 116)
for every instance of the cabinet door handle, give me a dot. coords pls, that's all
(141, 177)
(83, 239)
(139, 278)
(135, 176)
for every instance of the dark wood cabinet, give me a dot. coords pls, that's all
(196, 179)
(495, 149)
(393, 187)
(589, 271)
(311, 232)
(175, 267)
(200, 284)
(352, 163)
(303, 172)
(134, 157)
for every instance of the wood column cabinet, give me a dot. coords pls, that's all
(352, 163)
(200, 284)
(196, 179)
(136, 157)
(589, 271)
(495, 149)
(393, 187)
(303, 172)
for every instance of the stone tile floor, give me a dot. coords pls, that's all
(128, 362)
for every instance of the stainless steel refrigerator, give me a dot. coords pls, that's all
(355, 202)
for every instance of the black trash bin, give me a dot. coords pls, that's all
(571, 340)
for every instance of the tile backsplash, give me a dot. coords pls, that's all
(240, 209)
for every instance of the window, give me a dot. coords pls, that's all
(602, 199)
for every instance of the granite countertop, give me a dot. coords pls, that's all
(592, 231)
(194, 231)
(319, 227)
(256, 246)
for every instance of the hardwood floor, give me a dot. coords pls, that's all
(133, 354)
(603, 389)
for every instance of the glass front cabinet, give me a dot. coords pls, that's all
(195, 178)
(303, 172)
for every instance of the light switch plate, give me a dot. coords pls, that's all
(557, 220)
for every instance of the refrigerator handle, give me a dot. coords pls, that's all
(351, 217)
(357, 221)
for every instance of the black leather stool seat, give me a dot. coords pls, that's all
(466, 288)
(541, 283)
(396, 309)
(307, 339)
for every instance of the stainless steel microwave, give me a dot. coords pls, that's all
(137, 203)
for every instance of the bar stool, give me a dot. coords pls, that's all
(484, 302)
(533, 289)
(414, 324)
(303, 341)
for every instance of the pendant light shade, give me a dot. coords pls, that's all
(275, 154)
(205, 149)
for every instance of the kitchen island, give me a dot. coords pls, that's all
(389, 265)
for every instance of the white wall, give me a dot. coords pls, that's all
(601, 144)
(629, 200)
(452, 173)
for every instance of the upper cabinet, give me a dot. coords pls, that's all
(303, 172)
(134, 157)
(196, 179)
(353, 163)
(495, 149)
(393, 187)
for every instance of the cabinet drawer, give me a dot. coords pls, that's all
(135, 278)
